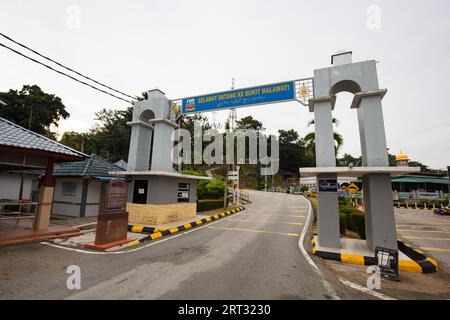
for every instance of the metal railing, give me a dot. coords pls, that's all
(17, 210)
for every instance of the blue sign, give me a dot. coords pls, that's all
(271, 93)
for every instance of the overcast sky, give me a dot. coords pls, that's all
(192, 47)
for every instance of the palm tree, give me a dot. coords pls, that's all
(310, 142)
(312, 121)
(310, 139)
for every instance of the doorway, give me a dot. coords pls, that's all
(140, 191)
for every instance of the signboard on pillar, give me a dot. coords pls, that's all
(328, 185)
(233, 175)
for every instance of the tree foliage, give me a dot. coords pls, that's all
(109, 137)
(44, 109)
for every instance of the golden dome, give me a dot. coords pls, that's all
(402, 157)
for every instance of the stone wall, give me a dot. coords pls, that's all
(155, 214)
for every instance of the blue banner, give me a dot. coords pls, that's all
(266, 94)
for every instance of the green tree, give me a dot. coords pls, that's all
(293, 153)
(109, 137)
(310, 139)
(310, 142)
(249, 123)
(31, 103)
(346, 159)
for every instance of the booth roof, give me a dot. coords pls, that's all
(17, 137)
(94, 166)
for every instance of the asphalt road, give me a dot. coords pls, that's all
(250, 255)
(426, 231)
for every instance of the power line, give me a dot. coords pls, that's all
(64, 74)
(63, 66)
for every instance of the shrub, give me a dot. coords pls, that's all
(210, 189)
(193, 172)
(357, 223)
(354, 220)
(342, 223)
(342, 201)
(209, 204)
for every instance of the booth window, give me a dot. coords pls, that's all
(68, 188)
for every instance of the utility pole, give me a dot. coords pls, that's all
(233, 116)
(29, 120)
(231, 121)
(82, 143)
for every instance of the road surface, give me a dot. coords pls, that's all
(426, 231)
(251, 255)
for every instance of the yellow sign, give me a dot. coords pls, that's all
(344, 187)
(353, 188)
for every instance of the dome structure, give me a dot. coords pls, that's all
(402, 159)
(402, 156)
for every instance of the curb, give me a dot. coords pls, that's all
(414, 208)
(420, 263)
(142, 229)
(426, 264)
(158, 233)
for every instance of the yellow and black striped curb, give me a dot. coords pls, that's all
(420, 263)
(162, 233)
(426, 264)
(142, 229)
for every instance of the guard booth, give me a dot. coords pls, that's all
(157, 193)
(22, 150)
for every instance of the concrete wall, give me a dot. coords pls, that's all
(10, 185)
(69, 205)
(163, 190)
(155, 214)
(93, 199)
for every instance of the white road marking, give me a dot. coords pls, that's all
(365, 290)
(325, 283)
(145, 246)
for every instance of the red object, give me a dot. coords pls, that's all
(105, 246)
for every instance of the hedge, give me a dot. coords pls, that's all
(209, 204)
(354, 220)
(342, 223)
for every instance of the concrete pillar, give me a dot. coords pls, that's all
(371, 131)
(162, 147)
(328, 208)
(44, 210)
(140, 146)
(328, 216)
(325, 152)
(379, 212)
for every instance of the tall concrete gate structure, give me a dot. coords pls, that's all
(150, 154)
(361, 80)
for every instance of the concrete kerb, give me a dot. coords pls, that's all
(419, 264)
(155, 233)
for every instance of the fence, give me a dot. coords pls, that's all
(17, 210)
